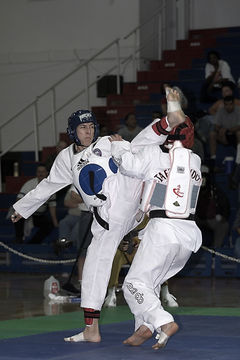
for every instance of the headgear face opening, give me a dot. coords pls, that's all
(184, 132)
(81, 117)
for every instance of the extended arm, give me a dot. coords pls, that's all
(129, 163)
(59, 177)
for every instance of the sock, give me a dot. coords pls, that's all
(111, 290)
(164, 291)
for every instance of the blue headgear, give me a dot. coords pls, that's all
(77, 118)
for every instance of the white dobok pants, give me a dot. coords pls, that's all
(123, 195)
(164, 250)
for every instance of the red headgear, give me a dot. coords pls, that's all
(183, 132)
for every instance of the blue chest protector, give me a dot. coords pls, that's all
(89, 177)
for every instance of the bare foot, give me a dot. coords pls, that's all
(167, 331)
(175, 114)
(139, 336)
(90, 333)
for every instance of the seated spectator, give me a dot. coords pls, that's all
(217, 72)
(50, 160)
(104, 131)
(40, 219)
(198, 147)
(124, 256)
(226, 129)
(213, 210)
(205, 122)
(75, 228)
(227, 90)
(84, 235)
(69, 226)
(131, 128)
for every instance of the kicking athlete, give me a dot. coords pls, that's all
(113, 198)
(172, 177)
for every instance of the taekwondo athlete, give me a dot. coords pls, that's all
(172, 178)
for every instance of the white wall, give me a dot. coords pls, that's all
(39, 41)
(42, 40)
(214, 13)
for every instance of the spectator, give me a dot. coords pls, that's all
(131, 128)
(124, 256)
(212, 211)
(104, 131)
(69, 225)
(75, 229)
(217, 72)
(227, 90)
(40, 219)
(50, 160)
(226, 129)
(205, 121)
(198, 147)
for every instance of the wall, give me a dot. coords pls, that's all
(41, 41)
(214, 13)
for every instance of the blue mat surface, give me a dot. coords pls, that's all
(199, 338)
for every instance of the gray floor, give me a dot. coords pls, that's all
(21, 295)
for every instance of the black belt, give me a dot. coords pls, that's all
(162, 214)
(100, 220)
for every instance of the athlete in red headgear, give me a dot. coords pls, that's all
(172, 177)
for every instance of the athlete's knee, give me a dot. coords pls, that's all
(132, 291)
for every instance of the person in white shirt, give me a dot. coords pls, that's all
(40, 218)
(130, 128)
(217, 72)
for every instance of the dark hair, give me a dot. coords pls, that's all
(41, 165)
(228, 98)
(128, 115)
(213, 52)
(229, 84)
(156, 112)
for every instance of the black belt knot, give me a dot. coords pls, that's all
(99, 219)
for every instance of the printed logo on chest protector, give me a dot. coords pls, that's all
(97, 152)
(177, 191)
(134, 291)
(162, 176)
